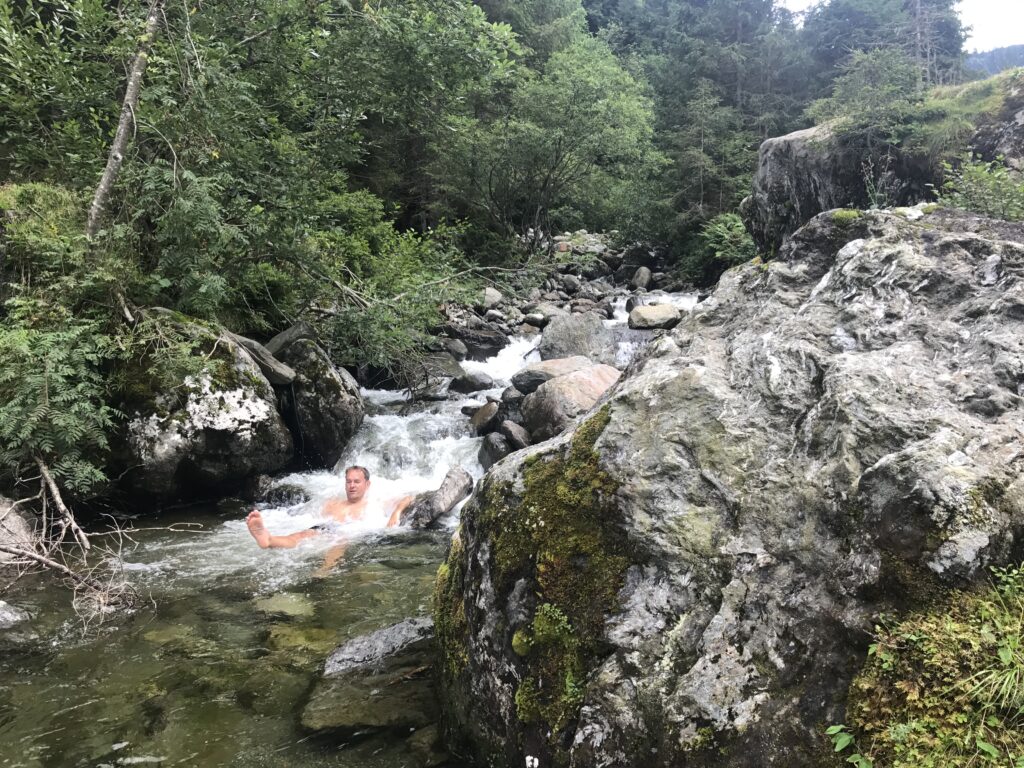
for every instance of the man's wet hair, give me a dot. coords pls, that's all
(357, 468)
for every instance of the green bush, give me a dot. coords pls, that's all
(945, 689)
(988, 188)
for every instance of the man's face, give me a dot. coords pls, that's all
(355, 485)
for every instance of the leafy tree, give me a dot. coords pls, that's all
(569, 137)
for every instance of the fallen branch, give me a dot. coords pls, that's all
(58, 500)
(29, 554)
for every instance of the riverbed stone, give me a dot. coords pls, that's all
(517, 436)
(471, 382)
(489, 299)
(377, 682)
(427, 508)
(11, 616)
(654, 316)
(494, 448)
(288, 604)
(533, 375)
(557, 402)
(827, 438)
(484, 420)
(326, 405)
(641, 279)
(578, 335)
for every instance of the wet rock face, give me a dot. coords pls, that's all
(328, 408)
(826, 438)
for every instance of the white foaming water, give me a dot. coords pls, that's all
(684, 302)
(507, 363)
(405, 455)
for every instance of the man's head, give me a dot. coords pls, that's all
(357, 481)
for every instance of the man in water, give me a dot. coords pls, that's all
(337, 511)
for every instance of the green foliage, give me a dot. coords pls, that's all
(53, 394)
(570, 139)
(946, 688)
(726, 240)
(991, 189)
(842, 740)
(872, 98)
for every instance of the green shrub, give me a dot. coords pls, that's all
(988, 188)
(945, 689)
(725, 239)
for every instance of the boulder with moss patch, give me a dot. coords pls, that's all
(219, 425)
(691, 577)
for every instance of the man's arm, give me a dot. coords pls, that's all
(267, 540)
(396, 516)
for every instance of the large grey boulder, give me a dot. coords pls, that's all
(557, 402)
(533, 375)
(489, 299)
(692, 576)
(272, 368)
(583, 334)
(377, 682)
(806, 172)
(217, 428)
(326, 404)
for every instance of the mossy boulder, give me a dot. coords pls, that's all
(692, 576)
(206, 426)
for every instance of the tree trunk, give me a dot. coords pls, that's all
(126, 123)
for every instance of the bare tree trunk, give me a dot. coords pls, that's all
(126, 123)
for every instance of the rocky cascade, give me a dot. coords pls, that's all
(691, 576)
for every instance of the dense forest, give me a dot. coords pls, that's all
(354, 165)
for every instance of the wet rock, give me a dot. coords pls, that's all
(471, 382)
(571, 284)
(489, 299)
(208, 434)
(15, 530)
(547, 311)
(326, 405)
(427, 748)
(535, 374)
(427, 508)
(300, 641)
(518, 438)
(824, 439)
(652, 316)
(455, 348)
(481, 342)
(527, 330)
(641, 279)
(285, 495)
(493, 449)
(584, 335)
(495, 316)
(536, 319)
(378, 682)
(11, 616)
(441, 365)
(484, 420)
(557, 402)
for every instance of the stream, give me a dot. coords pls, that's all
(213, 668)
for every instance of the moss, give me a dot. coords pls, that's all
(560, 537)
(522, 642)
(450, 612)
(945, 687)
(846, 216)
(930, 208)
